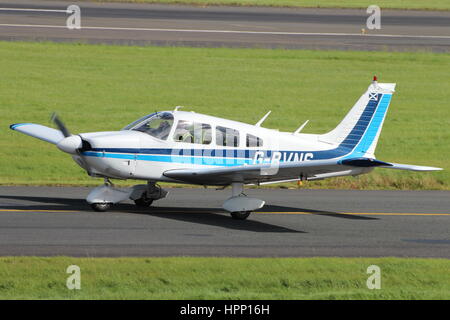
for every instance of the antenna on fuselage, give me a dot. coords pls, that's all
(177, 107)
(258, 124)
(300, 128)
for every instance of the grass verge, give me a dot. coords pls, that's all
(384, 4)
(102, 88)
(223, 278)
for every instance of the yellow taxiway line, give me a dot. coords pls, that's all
(266, 212)
(33, 210)
(359, 213)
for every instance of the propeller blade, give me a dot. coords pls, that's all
(69, 145)
(60, 125)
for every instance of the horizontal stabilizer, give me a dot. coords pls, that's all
(368, 162)
(364, 162)
(410, 167)
(38, 131)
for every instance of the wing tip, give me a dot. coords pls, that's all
(436, 169)
(425, 168)
(16, 125)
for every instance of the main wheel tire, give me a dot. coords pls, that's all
(240, 215)
(101, 206)
(143, 201)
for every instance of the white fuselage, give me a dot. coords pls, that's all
(131, 154)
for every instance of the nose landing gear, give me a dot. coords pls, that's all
(103, 197)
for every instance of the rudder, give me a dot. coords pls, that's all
(360, 129)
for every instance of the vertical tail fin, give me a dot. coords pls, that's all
(359, 131)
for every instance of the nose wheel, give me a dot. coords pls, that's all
(103, 197)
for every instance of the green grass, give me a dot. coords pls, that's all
(100, 87)
(223, 278)
(384, 4)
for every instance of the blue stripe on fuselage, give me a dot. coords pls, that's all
(172, 158)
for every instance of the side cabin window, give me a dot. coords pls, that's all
(193, 132)
(253, 141)
(227, 137)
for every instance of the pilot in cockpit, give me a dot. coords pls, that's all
(161, 131)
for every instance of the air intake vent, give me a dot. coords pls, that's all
(85, 146)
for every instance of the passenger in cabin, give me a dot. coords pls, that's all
(184, 133)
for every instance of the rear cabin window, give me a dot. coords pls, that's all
(193, 132)
(227, 137)
(253, 141)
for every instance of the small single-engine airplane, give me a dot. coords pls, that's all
(187, 147)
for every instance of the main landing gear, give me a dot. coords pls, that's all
(103, 197)
(144, 201)
(101, 206)
(240, 215)
(239, 205)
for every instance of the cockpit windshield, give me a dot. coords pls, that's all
(157, 125)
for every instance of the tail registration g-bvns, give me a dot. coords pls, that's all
(187, 147)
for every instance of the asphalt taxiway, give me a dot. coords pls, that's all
(220, 26)
(48, 221)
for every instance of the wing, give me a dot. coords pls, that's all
(38, 131)
(263, 173)
(255, 173)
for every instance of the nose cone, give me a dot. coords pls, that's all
(70, 144)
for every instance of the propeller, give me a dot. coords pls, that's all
(72, 144)
(60, 125)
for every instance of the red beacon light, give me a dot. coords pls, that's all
(375, 79)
